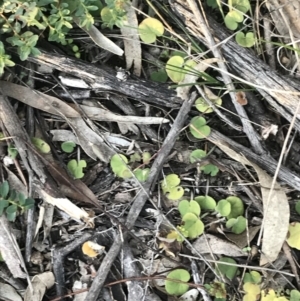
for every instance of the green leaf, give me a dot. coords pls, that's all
(146, 156)
(3, 205)
(223, 207)
(186, 207)
(232, 19)
(136, 157)
(21, 199)
(76, 168)
(160, 76)
(170, 181)
(11, 212)
(41, 145)
(12, 152)
(210, 169)
(297, 207)
(175, 193)
(238, 225)
(198, 127)
(206, 202)
(253, 277)
(68, 146)
(29, 203)
(216, 289)
(212, 3)
(241, 5)
(4, 189)
(293, 237)
(176, 288)
(193, 225)
(197, 155)
(142, 174)
(150, 29)
(227, 270)
(174, 68)
(204, 107)
(237, 207)
(294, 295)
(118, 164)
(245, 40)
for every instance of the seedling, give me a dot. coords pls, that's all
(227, 270)
(293, 239)
(198, 127)
(197, 155)
(170, 187)
(160, 76)
(68, 146)
(150, 29)
(41, 145)
(245, 40)
(203, 107)
(177, 288)
(185, 207)
(76, 168)
(210, 169)
(118, 164)
(142, 174)
(193, 226)
(146, 156)
(206, 202)
(177, 68)
(237, 225)
(216, 289)
(252, 291)
(12, 152)
(12, 202)
(232, 207)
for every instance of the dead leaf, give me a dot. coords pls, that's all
(100, 39)
(241, 240)
(208, 243)
(40, 284)
(241, 98)
(10, 250)
(132, 44)
(8, 293)
(68, 207)
(276, 212)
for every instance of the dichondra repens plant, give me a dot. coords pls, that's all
(53, 18)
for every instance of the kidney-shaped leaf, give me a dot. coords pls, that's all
(149, 29)
(177, 288)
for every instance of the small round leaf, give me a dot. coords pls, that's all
(150, 29)
(196, 155)
(227, 270)
(68, 146)
(174, 68)
(206, 202)
(177, 288)
(186, 206)
(198, 128)
(245, 40)
(223, 207)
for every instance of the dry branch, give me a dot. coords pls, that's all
(104, 79)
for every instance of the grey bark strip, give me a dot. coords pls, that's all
(104, 79)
